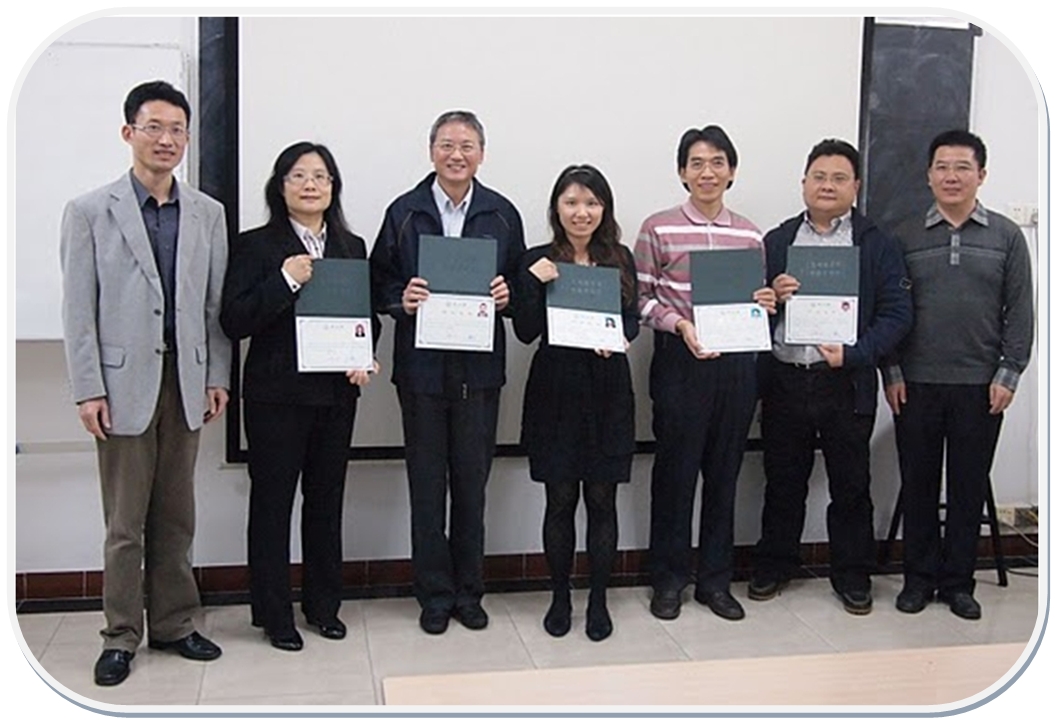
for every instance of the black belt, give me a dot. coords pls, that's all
(811, 367)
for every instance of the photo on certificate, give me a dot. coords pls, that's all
(334, 332)
(584, 309)
(455, 322)
(726, 317)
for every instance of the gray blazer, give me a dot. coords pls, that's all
(112, 305)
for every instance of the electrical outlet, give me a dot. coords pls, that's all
(1005, 515)
(1022, 213)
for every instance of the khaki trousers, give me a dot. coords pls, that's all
(148, 506)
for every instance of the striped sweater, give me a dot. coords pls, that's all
(662, 258)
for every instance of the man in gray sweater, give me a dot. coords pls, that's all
(957, 370)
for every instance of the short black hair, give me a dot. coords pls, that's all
(276, 201)
(711, 135)
(958, 137)
(835, 147)
(153, 90)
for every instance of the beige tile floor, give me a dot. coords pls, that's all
(384, 640)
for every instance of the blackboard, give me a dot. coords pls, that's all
(916, 83)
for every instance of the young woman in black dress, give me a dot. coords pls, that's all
(578, 421)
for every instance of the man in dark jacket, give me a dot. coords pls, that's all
(449, 399)
(827, 391)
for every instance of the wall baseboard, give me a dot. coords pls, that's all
(229, 584)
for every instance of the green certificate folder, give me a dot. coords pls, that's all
(587, 288)
(338, 287)
(825, 270)
(583, 308)
(726, 276)
(458, 265)
(332, 311)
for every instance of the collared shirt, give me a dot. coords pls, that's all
(840, 234)
(162, 226)
(666, 239)
(315, 246)
(972, 289)
(452, 216)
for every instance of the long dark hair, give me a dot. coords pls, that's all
(604, 248)
(276, 202)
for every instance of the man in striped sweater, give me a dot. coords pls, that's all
(702, 402)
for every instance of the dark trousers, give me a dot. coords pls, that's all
(147, 484)
(701, 412)
(949, 422)
(798, 406)
(450, 442)
(287, 442)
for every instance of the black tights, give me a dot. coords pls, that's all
(602, 531)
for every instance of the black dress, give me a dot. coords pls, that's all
(578, 420)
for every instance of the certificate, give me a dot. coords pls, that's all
(824, 309)
(459, 314)
(724, 282)
(583, 308)
(585, 329)
(821, 320)
(333, 320)
(732, 327)
(334, 344)
(455, 322)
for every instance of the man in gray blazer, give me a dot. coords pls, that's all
(143, 263)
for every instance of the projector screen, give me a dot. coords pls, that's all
(614, 92)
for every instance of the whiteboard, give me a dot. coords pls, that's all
(67, 141)
(550, 91)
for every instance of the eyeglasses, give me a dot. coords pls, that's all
(299, 178)
(449, 147)
(156, 130)
(836, 179)
(958, 169)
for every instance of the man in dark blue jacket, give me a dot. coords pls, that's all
(449, 399)
(826, 391)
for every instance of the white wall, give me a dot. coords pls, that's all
(58, 516)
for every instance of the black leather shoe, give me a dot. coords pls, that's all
(765, 586)
(471, 615)
(856, 602)
(113, 666)
(722, 604)
(912, 601)
(434, 620)
(962, 604)
(666, 604)
(332, 629)
(288, 640)
(193, 647)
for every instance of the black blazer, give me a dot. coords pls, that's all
(257, 303)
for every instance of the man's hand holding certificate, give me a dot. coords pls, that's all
(583, 308)
(334, 329)
(823, 310)
(456, 294)
(726, 308)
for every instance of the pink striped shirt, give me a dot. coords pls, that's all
(662, 257)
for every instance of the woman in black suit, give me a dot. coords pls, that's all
(578, 421)
(298, 425)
